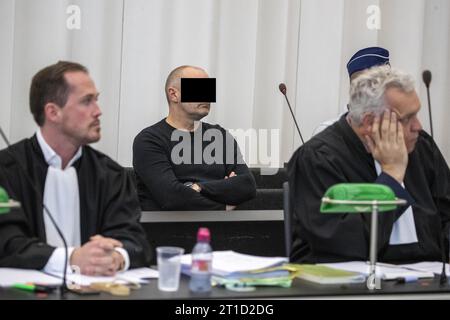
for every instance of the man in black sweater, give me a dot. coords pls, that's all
(184, 164)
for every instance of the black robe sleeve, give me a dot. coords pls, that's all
(20, 244)
(440, 188)
(121, 215)
(18, 247)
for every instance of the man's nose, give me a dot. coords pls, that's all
(98, 111)
(416, 125)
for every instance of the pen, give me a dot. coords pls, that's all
(32, 288)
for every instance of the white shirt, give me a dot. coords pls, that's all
(322, 126)
(404, 229)
(62, 199)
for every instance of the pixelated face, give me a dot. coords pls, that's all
(80, 117)
(195, 110)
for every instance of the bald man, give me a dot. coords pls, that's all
(182, 163)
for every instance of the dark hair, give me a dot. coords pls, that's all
(174, 76)
(49, 85)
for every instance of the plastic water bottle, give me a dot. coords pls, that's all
(201, 263)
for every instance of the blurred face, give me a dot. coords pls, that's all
(197, 110)
(80, 117)
(407, 106)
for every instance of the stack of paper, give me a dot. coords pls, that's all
(326, 275)
(230, 268)
(383, 270)
(139, 275)
(232, 264)
(10, 276)
(434, 267)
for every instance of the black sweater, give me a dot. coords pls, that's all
(161, 177)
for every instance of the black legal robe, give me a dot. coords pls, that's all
(108, 206)
(337, 155)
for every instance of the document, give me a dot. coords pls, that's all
(383, 270)
(10, 276)
(225, 263)
(435, 267)
(138, 275)
(326, 275)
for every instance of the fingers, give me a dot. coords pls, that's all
(370, 144)
(98, 265)
(392, 137)
(376, 130)
(106, 243)
(105, 261)
(97, 252)
(232, 174)
(385, 128)
(92, 270)
(385, 124)
(400, 136)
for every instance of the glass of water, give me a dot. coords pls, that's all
(169, 267)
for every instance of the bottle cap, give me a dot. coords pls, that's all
(203, 235)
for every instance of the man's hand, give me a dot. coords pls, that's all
(98, 257)
(387, 145)
(232, 174)
(196, 187)
(229, 207)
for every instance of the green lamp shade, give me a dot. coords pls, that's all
(4, 200)
(358, 197)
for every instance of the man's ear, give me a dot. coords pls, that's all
(174, 95)
(367, 122)
(52, 112)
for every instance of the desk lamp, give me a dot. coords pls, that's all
(5, 203)
(360, 198)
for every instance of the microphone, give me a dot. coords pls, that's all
(63, 287)
(283, 90)
(426, 76)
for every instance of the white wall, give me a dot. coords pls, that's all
(416, 32)
(249, 46)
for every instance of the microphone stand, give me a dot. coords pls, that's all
(282, 88)
(429, 110)
(426, 77)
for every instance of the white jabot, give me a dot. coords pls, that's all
(404, 229)
(62, 198)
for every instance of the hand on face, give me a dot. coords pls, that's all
(387, 145)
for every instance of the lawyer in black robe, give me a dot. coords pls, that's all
(337, 155)
(108, 206)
